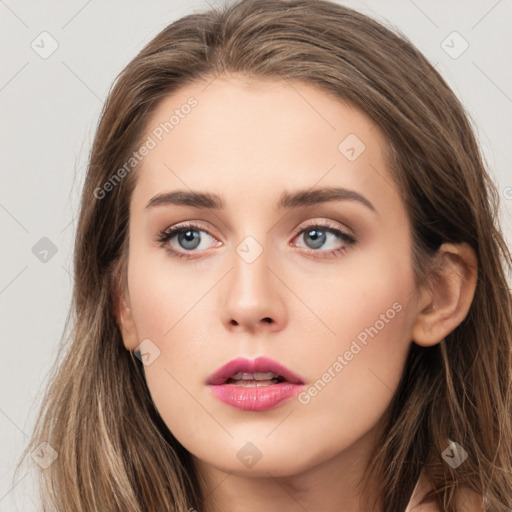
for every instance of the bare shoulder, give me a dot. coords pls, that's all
(426, 507)
(469, 501)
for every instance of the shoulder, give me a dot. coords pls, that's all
(423, 486)
(469, 500)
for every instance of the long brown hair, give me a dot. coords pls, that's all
(114, 451)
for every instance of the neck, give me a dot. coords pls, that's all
(331, 484)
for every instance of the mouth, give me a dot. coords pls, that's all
(255, 379)
(259, 372)
(257, 385)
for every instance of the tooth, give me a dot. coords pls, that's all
(264, 376)
(253, 383)
(245, 377)
(254, 376)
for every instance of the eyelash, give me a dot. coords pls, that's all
(167, 234)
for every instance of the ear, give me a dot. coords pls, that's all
(446, 297)
(125, 321)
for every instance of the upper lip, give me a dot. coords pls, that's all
(258, 365)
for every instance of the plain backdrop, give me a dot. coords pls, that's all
(50, 104)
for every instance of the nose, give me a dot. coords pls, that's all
(253, 296)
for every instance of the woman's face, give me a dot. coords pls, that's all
(323, 287)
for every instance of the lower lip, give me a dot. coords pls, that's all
(260, 398)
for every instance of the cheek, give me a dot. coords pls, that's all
(160, 297)
(169, 310)
(358, 368)
(368, 299)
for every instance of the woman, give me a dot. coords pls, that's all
(290, 286)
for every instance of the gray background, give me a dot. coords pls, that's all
(49, 110)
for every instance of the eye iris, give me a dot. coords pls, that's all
(189, 237)
(318, 236)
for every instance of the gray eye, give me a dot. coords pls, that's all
(317, 236)
(189, 239)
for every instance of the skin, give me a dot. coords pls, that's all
(249, 141)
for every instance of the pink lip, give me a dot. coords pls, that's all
(259, 398)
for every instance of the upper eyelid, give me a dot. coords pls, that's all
(184, 226)
(327, 225)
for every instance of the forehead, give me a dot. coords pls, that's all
(252, 138)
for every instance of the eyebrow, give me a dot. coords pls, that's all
(288, 200)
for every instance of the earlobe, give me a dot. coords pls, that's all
(126, 323)
(121, 306)
(448, 294)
